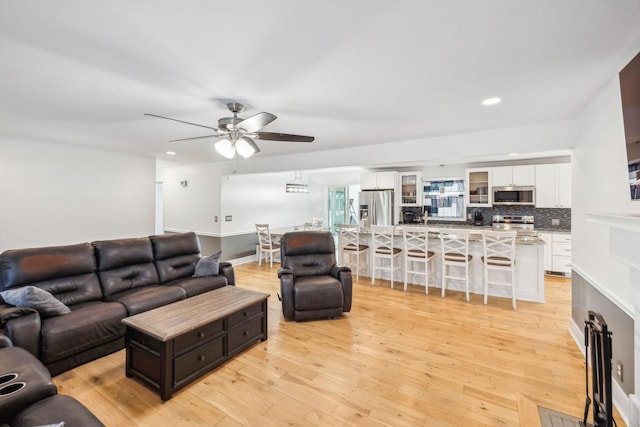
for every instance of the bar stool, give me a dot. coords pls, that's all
(454, 251)
(265, 244)
(382, 241)
(416, 244)
(499, 248)
(349, 244)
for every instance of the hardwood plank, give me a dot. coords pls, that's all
(398, 358)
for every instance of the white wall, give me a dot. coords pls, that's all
(194, 207)
(55, 194)
(600, 178)
(262, 199)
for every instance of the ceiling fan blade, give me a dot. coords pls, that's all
(255, 122)
(182, 121)
(197, 137)
(274, 136)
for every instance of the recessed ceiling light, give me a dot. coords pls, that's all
(491, 101)
(171, 153)
(513, 154)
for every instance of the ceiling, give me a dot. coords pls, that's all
(349, 72)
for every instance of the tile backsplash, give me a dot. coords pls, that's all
(543, 216)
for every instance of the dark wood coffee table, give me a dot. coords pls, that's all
(170, 346)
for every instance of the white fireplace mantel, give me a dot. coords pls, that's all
(624, 235)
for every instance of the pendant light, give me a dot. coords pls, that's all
(297, 186)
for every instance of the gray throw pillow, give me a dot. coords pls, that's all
(34, 297)
(208, 265)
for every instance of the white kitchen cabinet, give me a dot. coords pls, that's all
(563, 185)
(479, 182)
(509, 176)
(553, 186)
(557, 253)
(410, 188)
(378, 181)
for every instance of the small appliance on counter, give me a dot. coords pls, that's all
(477, 218)
(411, 215)
(523, 224)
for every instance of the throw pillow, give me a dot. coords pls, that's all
(34, 297)
(208, 265)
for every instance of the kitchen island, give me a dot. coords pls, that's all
(529, 266)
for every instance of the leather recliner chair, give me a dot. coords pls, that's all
(312, 285)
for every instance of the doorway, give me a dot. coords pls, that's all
(337, 207)
(159, 209)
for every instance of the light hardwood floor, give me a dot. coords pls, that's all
(398, 358)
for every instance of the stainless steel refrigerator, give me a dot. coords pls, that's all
(376, 207)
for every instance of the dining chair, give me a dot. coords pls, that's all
(416, 253)
(266, 246)
(349, 245)
(499, 248)
(383, 249)
(317, 223)
(454, 253)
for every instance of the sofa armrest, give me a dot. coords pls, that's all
(343, 274)
(286, 289)
(336, 270)
(5, 342)
(226, 269)
(282, 271)
(21, 327)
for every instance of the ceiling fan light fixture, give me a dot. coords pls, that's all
(226, 148)
(297, 185)
(246, 147)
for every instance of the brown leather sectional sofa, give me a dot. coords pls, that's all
(101, 282)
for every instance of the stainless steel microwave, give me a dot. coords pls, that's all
(514, 196)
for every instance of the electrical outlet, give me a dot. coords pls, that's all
(555, 221)
(227, 218)
(619, 370)
(215, 218)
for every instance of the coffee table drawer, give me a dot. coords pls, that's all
(198, 336)
(245, 333)
(245, 314)
(197, 360)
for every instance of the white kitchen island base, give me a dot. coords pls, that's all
(529, 271)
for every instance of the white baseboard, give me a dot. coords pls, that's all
(620, 398)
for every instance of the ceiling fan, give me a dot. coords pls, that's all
(238, 134)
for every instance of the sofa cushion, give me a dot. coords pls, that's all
(198, 285)
(67, 272)
(317, 292)
(174, 244)
(34, 297)
(125, 264)
(176, 255)
(88, 325)
(146, 298)
(208, 265)
(308, 253)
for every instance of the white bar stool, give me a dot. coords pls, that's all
(454, 250)
(382, 242)
(499, 248)
(416, 252)
(349, 245)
